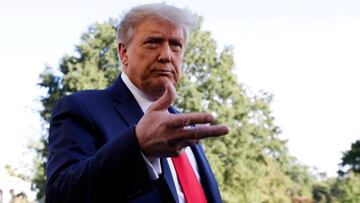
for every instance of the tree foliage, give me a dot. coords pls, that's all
(321, 193)
(351, 159)
(343, 189)
(346, 189)
(251, 164)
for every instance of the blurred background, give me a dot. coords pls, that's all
(300, 57)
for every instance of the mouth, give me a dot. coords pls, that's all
(166, 73)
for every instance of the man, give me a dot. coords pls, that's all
(126, 143)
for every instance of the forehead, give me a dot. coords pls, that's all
(159, 28)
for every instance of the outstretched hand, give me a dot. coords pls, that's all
(161, 134)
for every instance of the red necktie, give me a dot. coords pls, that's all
(190, 185)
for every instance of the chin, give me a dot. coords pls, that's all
(159, 91)
(156, 89)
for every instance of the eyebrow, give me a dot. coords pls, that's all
(175, 39)
(154, 38)
(159, 38)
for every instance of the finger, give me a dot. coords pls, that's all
(187, 143)
(181, 120)
(165, 100)
(178, 142)
(201, 132)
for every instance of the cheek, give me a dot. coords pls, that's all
(139, 64)
(178, 66)
(146, 60)
(178, 72)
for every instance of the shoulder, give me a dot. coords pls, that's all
(85, 97)
(88, 95)
(82, 101)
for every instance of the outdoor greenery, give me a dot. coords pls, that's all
(351, 159)
(252, 164)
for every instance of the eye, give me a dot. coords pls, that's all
(176, 46)
(152, 43)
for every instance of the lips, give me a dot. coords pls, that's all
(163, 72)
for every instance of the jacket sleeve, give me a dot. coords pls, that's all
(82, 167)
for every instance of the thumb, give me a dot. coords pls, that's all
(165, 100)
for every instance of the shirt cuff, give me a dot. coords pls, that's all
(153, 167)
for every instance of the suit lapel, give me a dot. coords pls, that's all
(207, 177)
(169, 179)
(125, 103)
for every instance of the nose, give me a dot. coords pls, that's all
(165, 54)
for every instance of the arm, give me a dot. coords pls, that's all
(83, 169)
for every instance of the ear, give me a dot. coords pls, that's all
(123, 54)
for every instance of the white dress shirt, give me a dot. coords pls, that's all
(154, 166)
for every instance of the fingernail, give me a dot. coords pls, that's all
(226, 130)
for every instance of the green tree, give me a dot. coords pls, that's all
(342, 189)
(346, 189)
(251, 163)
(321, 193)
(351, 159)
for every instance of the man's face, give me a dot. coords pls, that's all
(154, 56)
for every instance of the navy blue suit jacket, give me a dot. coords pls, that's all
(94, 155)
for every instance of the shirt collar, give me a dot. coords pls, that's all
(140, 97)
